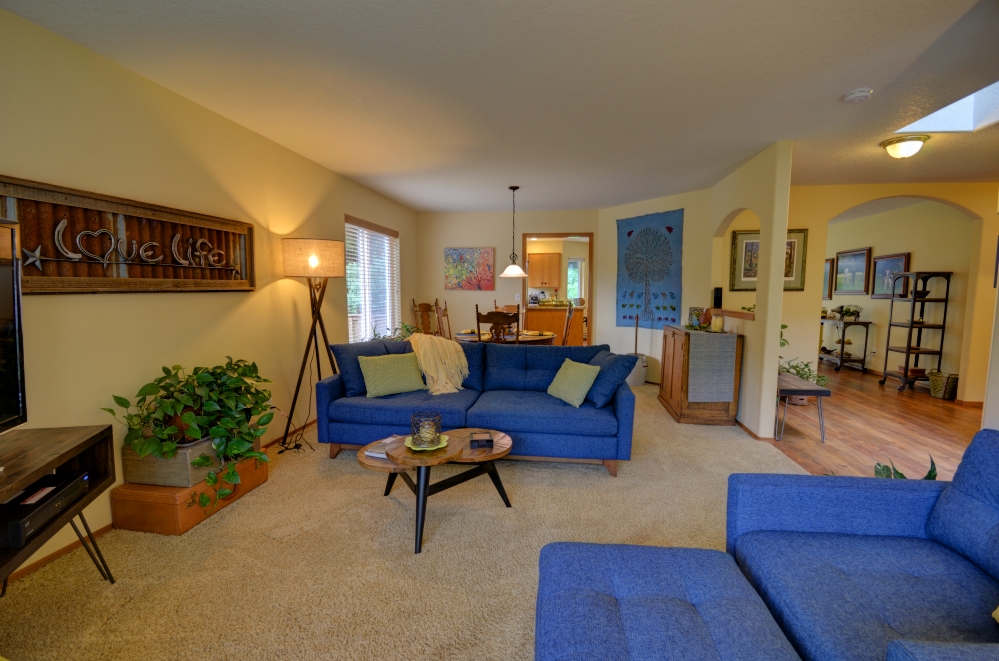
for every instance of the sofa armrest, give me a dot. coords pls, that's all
(624, 411)
(810, 503)
(911, 650)
(327, 391)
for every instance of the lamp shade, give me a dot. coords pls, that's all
(313, 258)
(513, 271)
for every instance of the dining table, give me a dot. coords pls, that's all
(526, 337)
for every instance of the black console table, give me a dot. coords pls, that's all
(837, 356)
(28, 454)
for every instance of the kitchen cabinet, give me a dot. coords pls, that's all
(544, 270)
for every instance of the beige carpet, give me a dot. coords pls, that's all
(316, 564)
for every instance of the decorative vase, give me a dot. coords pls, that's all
(426, 429)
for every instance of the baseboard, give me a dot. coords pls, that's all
(748, 431)
(290, 433)
(24, 571)
(970, 405)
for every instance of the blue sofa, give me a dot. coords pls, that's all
(850, 569)
(505, 390)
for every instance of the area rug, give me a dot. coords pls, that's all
(317, 564)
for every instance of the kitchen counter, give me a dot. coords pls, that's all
(551, 318)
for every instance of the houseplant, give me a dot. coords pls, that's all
(221, 403)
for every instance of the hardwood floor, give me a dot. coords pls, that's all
(867, 423)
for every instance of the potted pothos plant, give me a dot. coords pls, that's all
(223, 403)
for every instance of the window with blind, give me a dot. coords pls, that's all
(373, 306)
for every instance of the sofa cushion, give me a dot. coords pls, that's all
(520, 367)
(846, 597)
(631, 603)
(475, 353)
(398, 409)
(346, 361)
(531, 411)
(966, 518)
(614, 369)
(572, 382)
(392, 374)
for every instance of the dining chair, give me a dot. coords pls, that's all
(500, 323)
(421, 315)
(568, 324)
(441, 318)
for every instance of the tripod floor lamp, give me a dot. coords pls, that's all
(316, 260)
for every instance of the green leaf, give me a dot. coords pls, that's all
(896, 473)
(204, 377)
(132, 435)
(228, 423)
(169, 449)
(259, 456)
(171, 430)
(224, 493)
(880, 470)
(166, 370)
(204, 500)
(218, 432)
(147, 390)
(189, 419)
(231, 476)
(211, 479)
(218, 444)
(146, 446)
(111, 411)
(209, 406)
(932, 473)
(203, 461)
(265, 419)
(238, 447)
(122, 402)
(185, 399)
(193, 432)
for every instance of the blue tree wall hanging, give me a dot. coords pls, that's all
(649, 269)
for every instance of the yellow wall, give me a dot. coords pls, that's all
(438, 231)
(75, 119)
(938, 238)
(812, 207)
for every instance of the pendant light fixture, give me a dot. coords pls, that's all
(514, 270)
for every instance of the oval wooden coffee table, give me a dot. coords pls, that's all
(400, 460)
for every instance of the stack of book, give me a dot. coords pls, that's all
(378, 451)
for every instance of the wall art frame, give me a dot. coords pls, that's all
(744, 260)
(853, 269)
(469, 269)
(77, 242)
(883, 268)
(827, 279)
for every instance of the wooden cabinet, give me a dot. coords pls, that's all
(552, 319)
(673, 386)
(544, 270)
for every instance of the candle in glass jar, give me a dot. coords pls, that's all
(717, 324)
(427, 433)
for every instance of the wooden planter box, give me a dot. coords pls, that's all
(174, 472)
(175, 510)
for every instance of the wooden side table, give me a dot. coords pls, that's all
(400, 460)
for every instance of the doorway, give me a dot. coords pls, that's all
(559, 269)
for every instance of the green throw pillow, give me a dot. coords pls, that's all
(389, 375)
(573, 381)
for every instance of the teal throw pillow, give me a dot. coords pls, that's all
(573, 381)
(392, 374)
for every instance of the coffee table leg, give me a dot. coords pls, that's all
(422, 491)
(389, 483)
(498, 483)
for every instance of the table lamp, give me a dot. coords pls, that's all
(316, 260)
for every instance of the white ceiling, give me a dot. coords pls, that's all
(442, 104)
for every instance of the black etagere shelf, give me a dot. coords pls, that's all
(916, 282)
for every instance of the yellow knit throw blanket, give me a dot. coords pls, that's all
(442, 361)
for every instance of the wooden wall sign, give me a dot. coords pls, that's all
(73, 242)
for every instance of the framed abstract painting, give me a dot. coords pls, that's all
(745, 260)
(469, 269)
(827, 280)
(884, 269)
(852, 269)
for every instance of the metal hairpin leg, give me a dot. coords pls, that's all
(779, 433)
(822, 422)
(102, 565)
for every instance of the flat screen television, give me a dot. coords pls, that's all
(13, 408)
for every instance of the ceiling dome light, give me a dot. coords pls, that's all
(858, 95)
(904, 146)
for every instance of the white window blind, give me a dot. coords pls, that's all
(372, 283)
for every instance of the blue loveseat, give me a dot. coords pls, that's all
(505, 390)
(849, 569)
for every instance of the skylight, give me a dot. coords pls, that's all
(972, 113)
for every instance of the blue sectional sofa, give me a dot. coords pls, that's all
(849, 569)
(505, 390)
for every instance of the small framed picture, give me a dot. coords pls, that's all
(852, 269)
(884, 269)
(827, 280)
